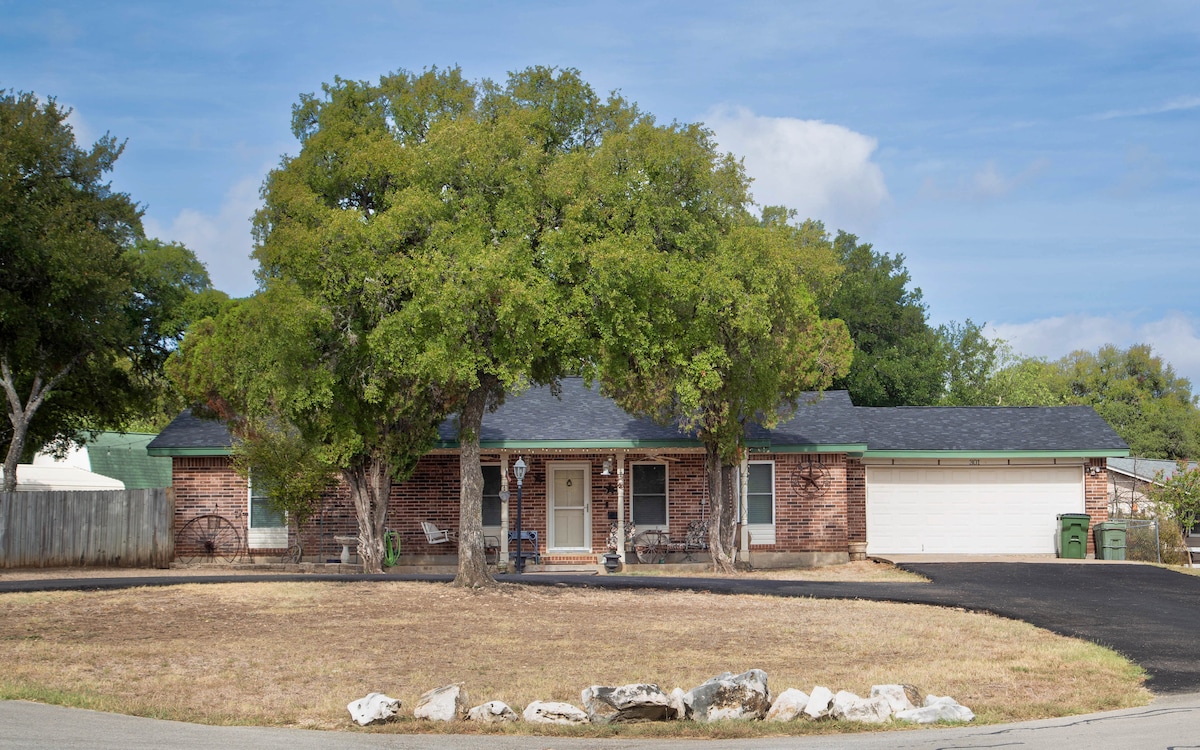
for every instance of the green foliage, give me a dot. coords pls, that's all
(1179, 495)
(1138, 394)
(986, 372)
(88, 311)
(703, 316)
(291, 471)
(898, 359)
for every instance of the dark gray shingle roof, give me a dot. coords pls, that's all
(188, 431)
(582, 416)
(987, 428)
(827, 418)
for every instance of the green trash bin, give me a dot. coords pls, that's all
(1073, 534)
(1110, 540)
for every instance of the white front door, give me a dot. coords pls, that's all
(570, 500)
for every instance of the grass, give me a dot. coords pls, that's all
(866, 571)
(294, 654)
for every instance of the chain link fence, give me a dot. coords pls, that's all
(1142, 541)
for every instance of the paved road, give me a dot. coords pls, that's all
(1172, 722)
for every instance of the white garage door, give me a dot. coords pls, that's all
(969, 510)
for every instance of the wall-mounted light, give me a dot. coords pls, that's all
(607, 468)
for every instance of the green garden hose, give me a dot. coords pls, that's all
(391, 548)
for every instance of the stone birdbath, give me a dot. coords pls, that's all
(346, 541)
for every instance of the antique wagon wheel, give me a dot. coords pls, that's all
(811, 479)
(209, 538)
(650, 546)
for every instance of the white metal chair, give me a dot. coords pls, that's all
(434, 535)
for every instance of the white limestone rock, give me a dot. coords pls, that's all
(899, 697)
(627, 704)
(788, 705)
(937, 709)
(372, 708)
(553, 712)
(492, 712)
(677, 702)
(442, 704)
(730, 696)
(849, 707)
(818, 702)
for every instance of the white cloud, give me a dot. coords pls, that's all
(988, 182)
(1175, 337)
(1171, 105)
(222, 242)
(823, 171)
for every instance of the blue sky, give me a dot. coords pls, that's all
(1037, 163)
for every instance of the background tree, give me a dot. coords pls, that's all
(899, 359)
(1179, 496)
(83, 330)
(1140, 396)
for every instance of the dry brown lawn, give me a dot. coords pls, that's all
(294, 654)
(866, 571)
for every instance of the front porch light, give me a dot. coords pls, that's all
(606, 469)
(519, 469)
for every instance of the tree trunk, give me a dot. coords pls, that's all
(14, 455)
(370, 481)
(472, 564)
(19, 415)
(721, 529)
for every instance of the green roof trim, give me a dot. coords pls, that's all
(190, 451)
(574, 444)
(1098, 453)
(754, 445)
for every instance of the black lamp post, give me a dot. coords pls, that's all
(519, 469)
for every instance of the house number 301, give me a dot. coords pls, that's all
(973, 462)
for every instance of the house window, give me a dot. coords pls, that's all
(267, 528)
(491, 495)
(649, 495)
(760, 493)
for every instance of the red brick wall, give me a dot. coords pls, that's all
(1095, 495)
(208, 485)
(856, 500)
(808, 519)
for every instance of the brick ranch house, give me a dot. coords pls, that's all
(964, 480)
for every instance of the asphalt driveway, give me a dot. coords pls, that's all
(1149, 614)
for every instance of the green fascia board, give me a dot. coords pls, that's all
(1098, 453)
(190, 451)
(581, 445)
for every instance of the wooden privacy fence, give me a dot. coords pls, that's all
(131, 528)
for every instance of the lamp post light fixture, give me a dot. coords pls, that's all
(519, 469)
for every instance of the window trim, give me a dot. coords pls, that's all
(499, 526)
(666, 524)
(770, 525)
(263, 537)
